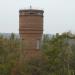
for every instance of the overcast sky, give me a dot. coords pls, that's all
(59, 15)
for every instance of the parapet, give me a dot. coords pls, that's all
(29, 12)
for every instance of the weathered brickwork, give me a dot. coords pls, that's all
(31, 30)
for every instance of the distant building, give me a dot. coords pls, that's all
(31, 30)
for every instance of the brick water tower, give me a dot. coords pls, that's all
(31, 30)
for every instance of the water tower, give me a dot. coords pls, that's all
(31, 30)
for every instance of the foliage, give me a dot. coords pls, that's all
(9, 53)
(58, 56)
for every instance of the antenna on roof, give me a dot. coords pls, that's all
(30, 7)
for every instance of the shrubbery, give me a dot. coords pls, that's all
(58, 56)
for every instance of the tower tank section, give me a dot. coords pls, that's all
(31, 28)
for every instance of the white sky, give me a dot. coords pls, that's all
(59, 15)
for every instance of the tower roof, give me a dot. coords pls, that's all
(33, 10)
